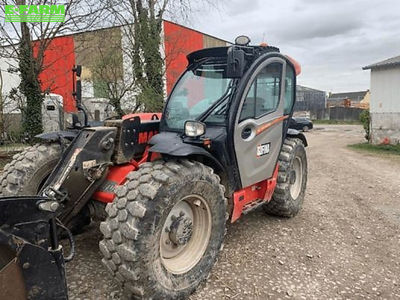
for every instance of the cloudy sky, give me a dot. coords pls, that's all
(332, 40)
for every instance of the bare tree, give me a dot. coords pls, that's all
(141, 22)
(28, 43)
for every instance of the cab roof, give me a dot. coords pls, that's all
(250, 51)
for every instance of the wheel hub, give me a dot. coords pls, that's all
(185, 235)
(181, 229)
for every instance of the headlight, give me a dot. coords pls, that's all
(194, 128)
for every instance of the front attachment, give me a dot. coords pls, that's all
(31, 260)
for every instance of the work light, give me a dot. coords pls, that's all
(194, 128)
(242, 40)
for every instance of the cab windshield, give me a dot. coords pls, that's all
(197, 91)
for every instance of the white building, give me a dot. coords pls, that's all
(385, 101)
(8, 80)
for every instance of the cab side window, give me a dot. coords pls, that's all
(290, 90)
(263, 95)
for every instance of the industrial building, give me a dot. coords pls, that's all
(309, 102)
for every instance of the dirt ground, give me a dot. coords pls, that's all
(344, 244)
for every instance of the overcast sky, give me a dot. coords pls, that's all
(332, 40)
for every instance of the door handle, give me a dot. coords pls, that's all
(246, 133)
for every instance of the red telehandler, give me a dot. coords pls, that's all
(164, 185)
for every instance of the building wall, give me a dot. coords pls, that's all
(385, 90)
(179, 41)
(385, 106)
(210, 41)
(9, 80)
(58, 62)
(100, 52)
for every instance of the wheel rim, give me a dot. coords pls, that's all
(305, 128)
(296, 177)
(185, 234)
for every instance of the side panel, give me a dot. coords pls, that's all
(143, 116)
(245, 199)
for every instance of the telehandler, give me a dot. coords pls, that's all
(163, 185)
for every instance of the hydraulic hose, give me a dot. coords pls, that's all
(71, 242)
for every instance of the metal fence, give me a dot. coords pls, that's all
(337, 113)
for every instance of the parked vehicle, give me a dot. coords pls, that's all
(301, 123)
(169, 182)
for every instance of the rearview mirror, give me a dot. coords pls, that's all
(78, 70)
(78, 92)
(235, 63)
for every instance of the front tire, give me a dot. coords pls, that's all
(164, 229)
(288, 196)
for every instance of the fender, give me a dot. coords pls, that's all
(57, 135)
(171, 144)
(297, 134)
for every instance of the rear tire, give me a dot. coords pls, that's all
(135, 229)
(289, 193)
(28, 170)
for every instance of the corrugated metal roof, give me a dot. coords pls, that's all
(353, 96)
(305, 88)
(391, 62)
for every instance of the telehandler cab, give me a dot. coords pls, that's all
(163, 185)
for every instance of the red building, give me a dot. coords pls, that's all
(84, 48)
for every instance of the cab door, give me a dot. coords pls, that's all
(259, 123)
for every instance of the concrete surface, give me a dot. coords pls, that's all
(344, 244)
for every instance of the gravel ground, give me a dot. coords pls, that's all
(345, 243)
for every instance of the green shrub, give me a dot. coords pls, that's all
(365, 119)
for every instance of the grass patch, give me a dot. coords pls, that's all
(377, 149)
(337, 122)
(12, 147)
(3, 162)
